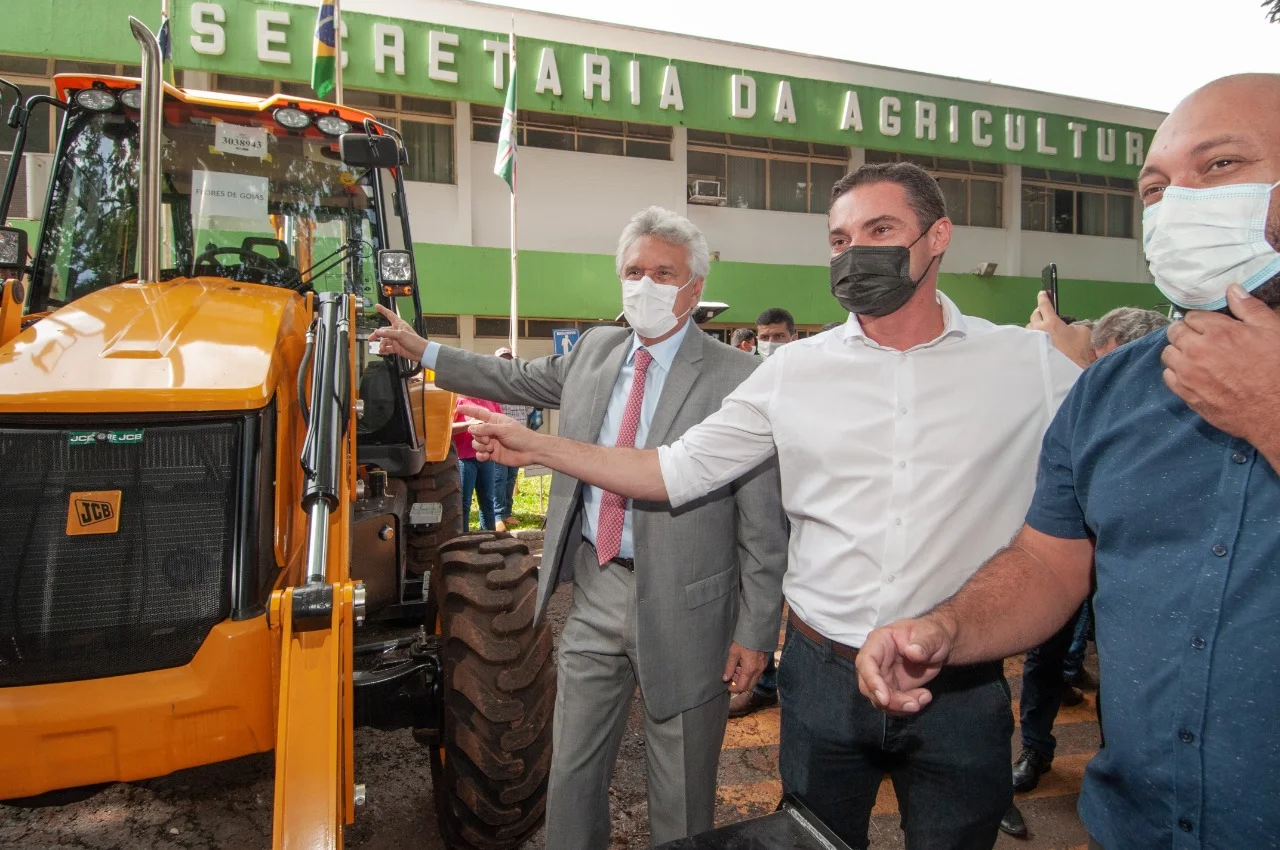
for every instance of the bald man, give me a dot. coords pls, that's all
(1160, 467)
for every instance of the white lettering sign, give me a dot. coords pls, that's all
(231, 198)
(953, 124)
(890, 118)
(1106, 144)
(1133, 149)
(1077, 138)
(267, 36)
(852, 117)
(743, 89)
(206, 20)
(548, 73)
(1042, 138)
(388, 43)
(242, 141)
(981, 138)
(595, 74)
(633, 75)
(784, 108)
(499, 49)
(926, 120)
(671, 89)
(1015, 131)
(437, 56)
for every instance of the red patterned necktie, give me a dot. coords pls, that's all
(613, 508)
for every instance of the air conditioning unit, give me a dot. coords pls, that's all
(32, 185)
(706, 192)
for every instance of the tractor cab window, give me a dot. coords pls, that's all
(243, 198)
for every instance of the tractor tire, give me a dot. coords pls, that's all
(436, 482)
(489, 769)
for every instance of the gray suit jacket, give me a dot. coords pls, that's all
(706, 573)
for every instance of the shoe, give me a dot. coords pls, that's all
(740, 705)
(1082, 679)
(500, 526)
(1013, 824)
(511, 521)
(1070, 696)
(1028, 769)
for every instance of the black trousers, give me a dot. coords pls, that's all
(949, 764)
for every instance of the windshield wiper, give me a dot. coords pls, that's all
(334, 259)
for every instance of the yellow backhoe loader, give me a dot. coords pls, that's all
(212, 487)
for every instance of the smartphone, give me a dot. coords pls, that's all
(1049, 283)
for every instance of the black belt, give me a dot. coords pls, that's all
(628, 564)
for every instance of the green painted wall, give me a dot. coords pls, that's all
(96, 29)
(466, 280)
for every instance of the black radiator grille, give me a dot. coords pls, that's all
(143, 598)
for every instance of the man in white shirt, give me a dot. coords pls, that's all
(907, 442)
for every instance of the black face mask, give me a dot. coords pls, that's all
(875, 280)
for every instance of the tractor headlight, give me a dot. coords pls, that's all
(96, 100)
(332, 125)
(395, 267)
(131, 98)
(291, 118)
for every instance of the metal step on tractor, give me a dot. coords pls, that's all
(226, 525)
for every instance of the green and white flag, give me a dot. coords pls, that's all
(505, 165)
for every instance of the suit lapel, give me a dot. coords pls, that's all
(605, 380)
(684, 371)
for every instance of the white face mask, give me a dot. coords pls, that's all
(1200, 241)
(767, 348)
(649, 306)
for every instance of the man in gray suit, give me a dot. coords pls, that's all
(680, 601)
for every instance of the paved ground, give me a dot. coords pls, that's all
(229, 805)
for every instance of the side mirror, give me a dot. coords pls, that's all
(13, 251)
(361, 150)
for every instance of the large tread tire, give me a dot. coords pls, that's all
(436, 482)
(490, 771)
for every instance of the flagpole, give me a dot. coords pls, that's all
(337, 52)
(515, 171)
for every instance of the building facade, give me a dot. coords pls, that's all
(745, 141)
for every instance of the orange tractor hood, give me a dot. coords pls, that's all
(183, 345)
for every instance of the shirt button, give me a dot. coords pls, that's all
(902, 464)
(1185, 736)
(897, 521)
(889, 579)
(1219, 549)
(1184, 824)
(1197, 643)
(902, 410)
(1239, 457)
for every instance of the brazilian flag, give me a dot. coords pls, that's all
(323, 54)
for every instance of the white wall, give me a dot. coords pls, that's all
(569, 201)
(758, 236)
(973, 245)
(1084, 257)
(434, 214)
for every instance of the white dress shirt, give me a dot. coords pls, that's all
(901, 471)
(663, 354)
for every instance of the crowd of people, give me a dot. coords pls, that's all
(930, 493)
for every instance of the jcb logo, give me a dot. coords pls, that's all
(94, 512)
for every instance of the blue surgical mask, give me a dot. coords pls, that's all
(1200, 241)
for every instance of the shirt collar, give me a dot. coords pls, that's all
(953, 324)
(662, 352)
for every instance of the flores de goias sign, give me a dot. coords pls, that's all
(273, 39)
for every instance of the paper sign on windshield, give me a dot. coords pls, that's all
(230, 198)
(244, 141)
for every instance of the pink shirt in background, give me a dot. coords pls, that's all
(462, 442)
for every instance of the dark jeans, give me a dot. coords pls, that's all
(477, 477)
(949, 764)
(1074, 662)
(1042, 685)
(504, 488)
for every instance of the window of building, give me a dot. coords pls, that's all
(974, 191)
(766, 174)
(571, 133)
(442, 325)
(1057, 202)
(425, 125)
(494, 327)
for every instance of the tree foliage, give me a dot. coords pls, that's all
(1273, 10)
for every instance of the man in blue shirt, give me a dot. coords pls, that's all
(1161, 467)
